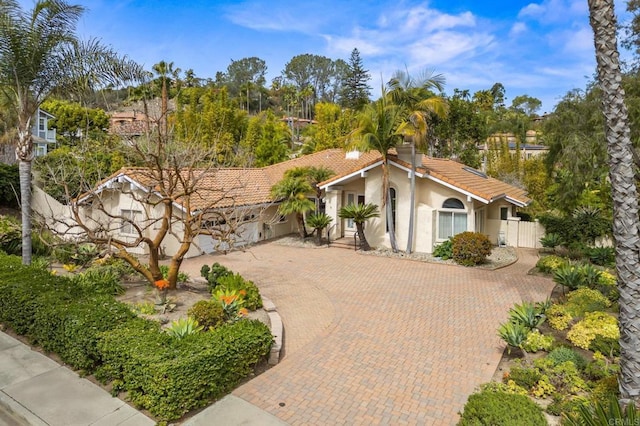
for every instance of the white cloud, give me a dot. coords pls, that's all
(554, 11)
(517, 29)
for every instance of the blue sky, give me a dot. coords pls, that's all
(540, 48)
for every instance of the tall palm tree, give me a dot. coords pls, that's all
(40, 54)
(377, 129)
(416, 95)
(624, 194)
(292, 192)
(360, 213)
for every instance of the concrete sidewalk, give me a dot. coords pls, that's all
(35, 390)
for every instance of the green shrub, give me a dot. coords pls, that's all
(600, 367)
(213, 274)
(499, 408)
(563, 354)
(603, 413)
(170, 377)
(100, 280)
(71, 328)
(594, 324)
(584, 300)
(524, 376)
(470, 248)
(605, 345)
(549, 264)
(235, 282)
(183, 327)
(513, 333)
(559, 317)
(183, 277)
(444, 250)
(9, 185)
(551, 240)
(527, 314)
(608, 285)
(10, 235)
(602, 256)
(590, 275)
(208, 313)
(536, 341)
(568, 276)
(564, 405)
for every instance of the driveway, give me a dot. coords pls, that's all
(373, 340)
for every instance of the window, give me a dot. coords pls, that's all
(451, 221)
(504, 213)
(129, 217)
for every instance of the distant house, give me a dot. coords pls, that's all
(450, 198)
(43, 136)
(529, 149)
(128, 124)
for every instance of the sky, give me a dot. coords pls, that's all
(538, 48)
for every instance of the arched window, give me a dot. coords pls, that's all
(392, 194)
(451, 220)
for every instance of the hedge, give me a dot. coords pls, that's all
(169, 376)
(96, 333)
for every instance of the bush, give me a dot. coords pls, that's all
(602, 256)
(183, 277)
(500, 408)
(170, 377)
(585, 300)
(10, 235)
(536, 341)
(213, 274)
(558, 317)
(444, 250)
(563, 354)
(470, 248)
(601, 368)
(9, 185)
(549, 264)
(208, 313)
(100, 280)
(594, 324)
(527, 314)
(551, 240)
(72, 328)
(524, 376)
(235, 282)
(568, 276)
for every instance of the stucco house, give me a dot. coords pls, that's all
(450, 198)
(43, 136)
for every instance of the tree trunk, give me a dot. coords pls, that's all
(390, 224)
(301, 229)
(624, 194)
(364, 244)
(412, 200)
(25, 207)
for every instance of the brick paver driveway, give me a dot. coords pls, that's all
(372, 340)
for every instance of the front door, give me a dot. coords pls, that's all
(352, 198)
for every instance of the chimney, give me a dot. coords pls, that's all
(404, 154)
(352, 155)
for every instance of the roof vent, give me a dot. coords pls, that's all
(352, 155)
(475, 172)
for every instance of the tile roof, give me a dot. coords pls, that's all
(229, 187)
(472, 180)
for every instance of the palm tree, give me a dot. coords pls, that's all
(40, 54)
(360, 213)
(292, 192)
(315, 176)
(377, 129)
(624, 194)
(319, 221)
(416, 95)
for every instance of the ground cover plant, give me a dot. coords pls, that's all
(576, 339)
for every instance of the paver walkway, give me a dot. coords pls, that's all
(372, 340)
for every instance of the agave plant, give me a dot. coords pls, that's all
(183, 327)
(527, 314)
(603, 413)
(513, 333)
(568, 276)
(590, 275)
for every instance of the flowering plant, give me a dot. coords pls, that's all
(161, 284)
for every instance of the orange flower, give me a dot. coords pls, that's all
(161, 284)
(243, 292)
(243, 312)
